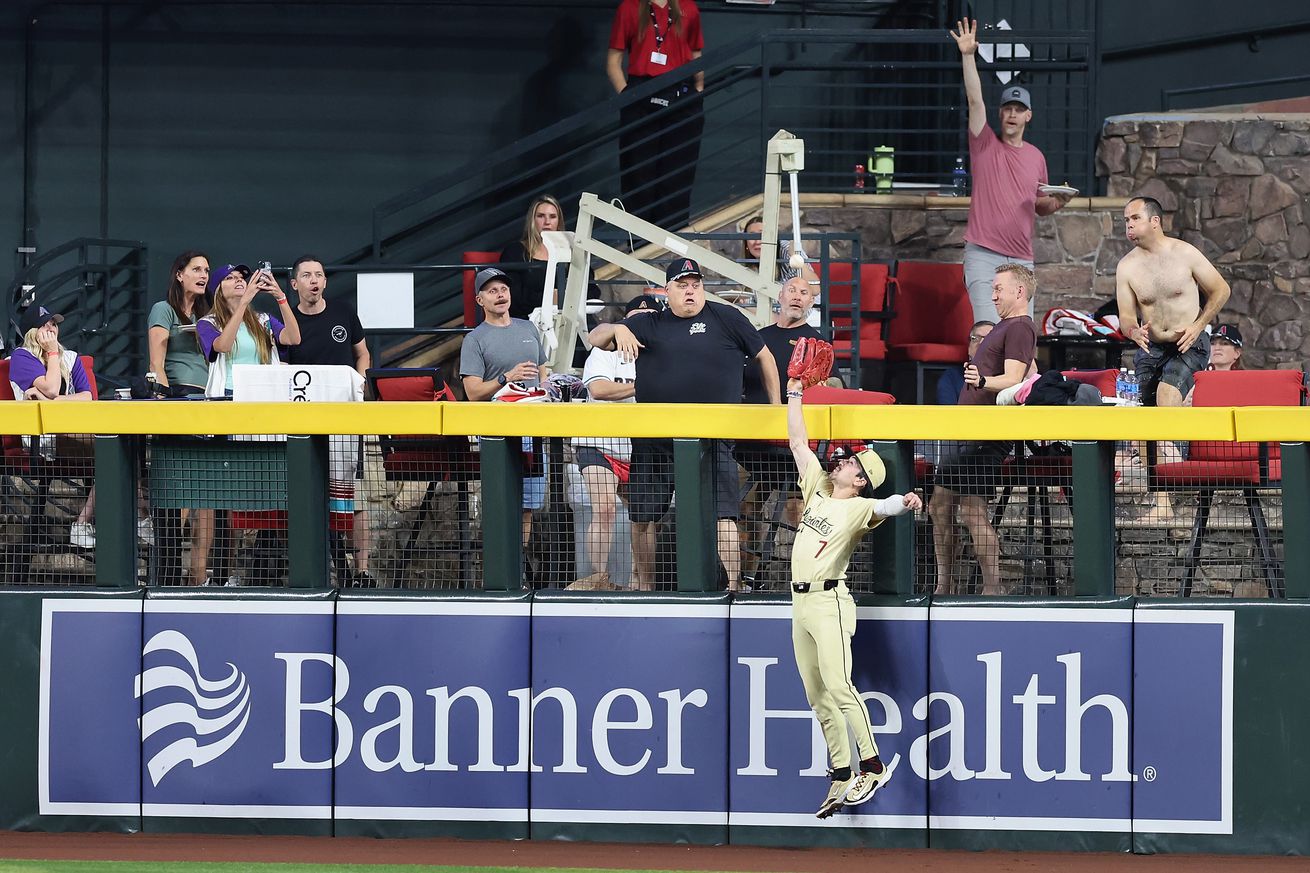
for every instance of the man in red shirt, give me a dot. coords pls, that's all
(1006, 172)
(660, 140)
(1003, 359)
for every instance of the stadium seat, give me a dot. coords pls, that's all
(1245, 467)
(472, 313)
(876, 306)
(428, 459)
(1043, 469)
(933, 317)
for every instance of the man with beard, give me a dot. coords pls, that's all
(1160, 285)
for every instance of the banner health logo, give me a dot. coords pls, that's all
(213, 712)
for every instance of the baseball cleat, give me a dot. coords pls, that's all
(864, 785)
(836, 797)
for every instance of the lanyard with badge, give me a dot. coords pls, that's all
(657, 57)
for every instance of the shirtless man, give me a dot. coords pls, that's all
(1161, 282)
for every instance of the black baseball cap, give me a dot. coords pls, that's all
(36, 316)
(645, 301)
(1228, 332)
(679, 268)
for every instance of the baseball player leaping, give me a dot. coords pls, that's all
(839, 508)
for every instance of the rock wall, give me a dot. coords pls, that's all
(1075, 250)
(1236, 186)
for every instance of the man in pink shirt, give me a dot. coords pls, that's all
(1006, 173)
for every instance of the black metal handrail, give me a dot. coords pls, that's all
(468, 188)
(100, 283)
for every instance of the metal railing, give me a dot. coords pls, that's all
(443, 488)
(843, 92)
(100, 287)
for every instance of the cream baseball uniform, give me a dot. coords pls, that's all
(823, 621)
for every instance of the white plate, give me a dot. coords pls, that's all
(1057, 189)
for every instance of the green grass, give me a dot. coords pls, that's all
(241, 867)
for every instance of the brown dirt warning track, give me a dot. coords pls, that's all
(546, 854)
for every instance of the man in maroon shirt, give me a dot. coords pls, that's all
(1003, 359)
(1006, 172)
(659, 143)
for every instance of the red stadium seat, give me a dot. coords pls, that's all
(877, 298)
(1241, 466)
(470, 274)
(933, 317)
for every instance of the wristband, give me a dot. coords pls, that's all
(281, 299)
(796, 394)
(982, 382)
(52, 354)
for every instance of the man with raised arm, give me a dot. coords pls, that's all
(1160, 286)
(839, 509)
(1006, 173)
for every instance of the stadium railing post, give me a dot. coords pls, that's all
(116, 485)
(307, 511)
(1093, 513)
(502, 512)
(693, 483)
(1296, 517)
(893, 540)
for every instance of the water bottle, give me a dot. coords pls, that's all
(1121, 386)
(960, 178)
(1133, 389)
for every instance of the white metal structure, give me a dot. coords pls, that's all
(561, 326)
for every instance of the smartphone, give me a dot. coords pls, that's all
(266, 267)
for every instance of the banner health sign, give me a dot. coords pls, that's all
(994, 718)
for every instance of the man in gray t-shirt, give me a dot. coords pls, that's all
(501, 350)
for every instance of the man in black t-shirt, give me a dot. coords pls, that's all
(333, 335)
(328, 334)
(795, 300)
(693, 352)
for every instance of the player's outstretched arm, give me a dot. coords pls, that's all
(797, 438)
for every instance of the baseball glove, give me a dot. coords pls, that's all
(811, 361)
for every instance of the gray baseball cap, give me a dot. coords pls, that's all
(485, 276)
(1015, 94)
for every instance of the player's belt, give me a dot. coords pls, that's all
(804, 587)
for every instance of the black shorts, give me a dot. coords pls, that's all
(590, 456)
(975, 471)
(650, 488)
(1164, 363)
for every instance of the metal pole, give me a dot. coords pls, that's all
(104, 121)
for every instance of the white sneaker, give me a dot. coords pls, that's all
(145, 531)
(836, 797)
(82, 534)
(866, 784)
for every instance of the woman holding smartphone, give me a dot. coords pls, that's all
(234, 333)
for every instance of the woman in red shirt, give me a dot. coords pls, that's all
(658, 36)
